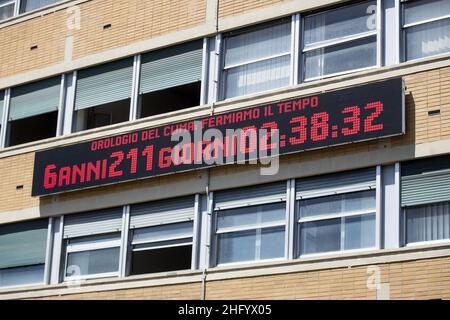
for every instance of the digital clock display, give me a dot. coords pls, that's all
(344, 116)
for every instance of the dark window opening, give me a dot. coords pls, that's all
(159, 260)
(170, 99)
(35, 128)
(104, 115)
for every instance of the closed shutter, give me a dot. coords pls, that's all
(34, 99)
(162, 212)
(93, 223)
(261, 194)
(424, 188)
(336, 183)
(104, 84)
(23, 244)
(2, 102)
(171, 67)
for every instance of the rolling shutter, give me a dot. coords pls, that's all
(34, 99)
(336, 183)
(93, 223)
(162, 212)
(23, 244)
(171, 67)
(261, 194)
(104, 84)
(425, 181)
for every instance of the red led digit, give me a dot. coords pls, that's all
(148, 152)
(112, 169)
(321, 126)
(133, 156)
(268, 136)
(301, 129)
(368, 122)
(250, 132)
(354, 119)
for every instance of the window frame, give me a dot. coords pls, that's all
(377, 32)
(404, 27)
(258, 227)
(376, 211)
(93, 246)
(221, 47)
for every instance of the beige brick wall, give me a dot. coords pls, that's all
(425, 91)
(131, 21)
(420, 279)
(16, 171)
(237, 7)
(47, 32)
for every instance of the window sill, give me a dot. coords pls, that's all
(304, 264)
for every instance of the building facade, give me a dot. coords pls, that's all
(363, 220)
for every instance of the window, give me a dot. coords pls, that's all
(250, 223)
(257, 60)
(426, 28)
(92, 244)
(33, 111)
(7, 8)
(162, 236)
(253, 233)
(22, 253)
(170, 79)
(337, 223)
(103, 95)
(425, 197)
(428, 222)
(336, 212)
(93, 256)
(340, 40)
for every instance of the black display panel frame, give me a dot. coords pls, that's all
(349, 115)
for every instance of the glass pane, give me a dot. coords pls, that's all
(22, 276)
(428, 222)
(340, 22)
(234, 247)
(320, 236)
(6, 11)
(28, 5)
(340, 58)
(251, 215)
(347, 202)
(416, 11)
(158, 233)
(93, 262)
(258, 44)
(359, 232)
(256, 77)
(272, 243)
(428, 39)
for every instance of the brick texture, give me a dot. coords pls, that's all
(237, 7)
(131, 21)
(420, 279)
